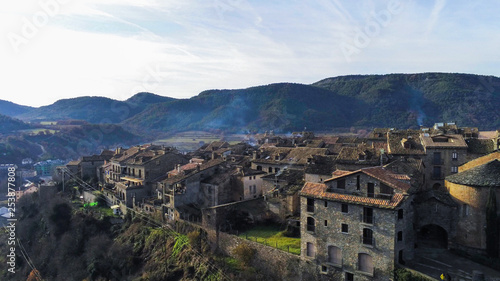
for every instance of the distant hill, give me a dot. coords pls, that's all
(145, 98)
(280, 107)
(11, 109)
(94, 109)
(8, 124)
(393, 100)
(398, 100)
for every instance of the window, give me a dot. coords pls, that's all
(276, 170)
(341, 184)
(349, 276)
(140, 173)
(345, 208)
(400, 214)
(310, 205)
(400, 235)
(324, 269)
(326, 223)
(365, 263)
(310, 224)
(367, 236)
(326, 203)
(454, 156)
(334, 255)
(358, 184)
(437, 159)
(371, 190)
(368, 215)
(436, 173)
(345, 228)
(454, 169)
(465, 210)
(270, 169)
(386, 191)
(310, 251)
(400, 257)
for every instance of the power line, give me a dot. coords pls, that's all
(148, 219)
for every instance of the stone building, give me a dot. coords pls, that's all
(470, 190)
(281, 192)
(183, 195)
(274, 159)
(358, 225)
(443, 155)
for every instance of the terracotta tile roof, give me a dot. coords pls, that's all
(391, 179)
(318, 190)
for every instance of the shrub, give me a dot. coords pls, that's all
(244, 253)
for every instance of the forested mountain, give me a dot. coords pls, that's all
(12, 109)
(393, 100)
(8, 124)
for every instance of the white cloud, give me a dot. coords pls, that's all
(180, 48)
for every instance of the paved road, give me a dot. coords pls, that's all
(434, 262)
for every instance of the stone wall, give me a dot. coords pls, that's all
(328, 232)
(471, 214)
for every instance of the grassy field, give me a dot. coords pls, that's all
(48, 123)
(272, 236)
(36, 131)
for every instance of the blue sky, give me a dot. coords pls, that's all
(54, 49)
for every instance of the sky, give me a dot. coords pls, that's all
(56, 49)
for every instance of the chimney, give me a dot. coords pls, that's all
(178, 167)
(214, 155)
(255, 155)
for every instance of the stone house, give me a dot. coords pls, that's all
(470, 190)
(281, 192)
(248, 182)
(319, 168)
(443, 155)
(352, 158)
(135, 173)
(274, 159)
(358, 225)
(183, 195)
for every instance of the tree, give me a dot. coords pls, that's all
(492, 229)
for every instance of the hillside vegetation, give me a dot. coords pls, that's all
(67, 241)
(393, 100)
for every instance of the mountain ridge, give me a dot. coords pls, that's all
(383, 100)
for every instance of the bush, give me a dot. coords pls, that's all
(244, 253)
(402, 274)
(194, 238)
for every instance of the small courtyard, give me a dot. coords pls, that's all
(274, 236)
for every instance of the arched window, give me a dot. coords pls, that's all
(310, 224)
(334, 255)
(365, 263)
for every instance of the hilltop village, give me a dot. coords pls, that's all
(361, 206)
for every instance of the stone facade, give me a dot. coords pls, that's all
(444, 154)
(347, 234)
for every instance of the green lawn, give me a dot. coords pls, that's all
(272, 236)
